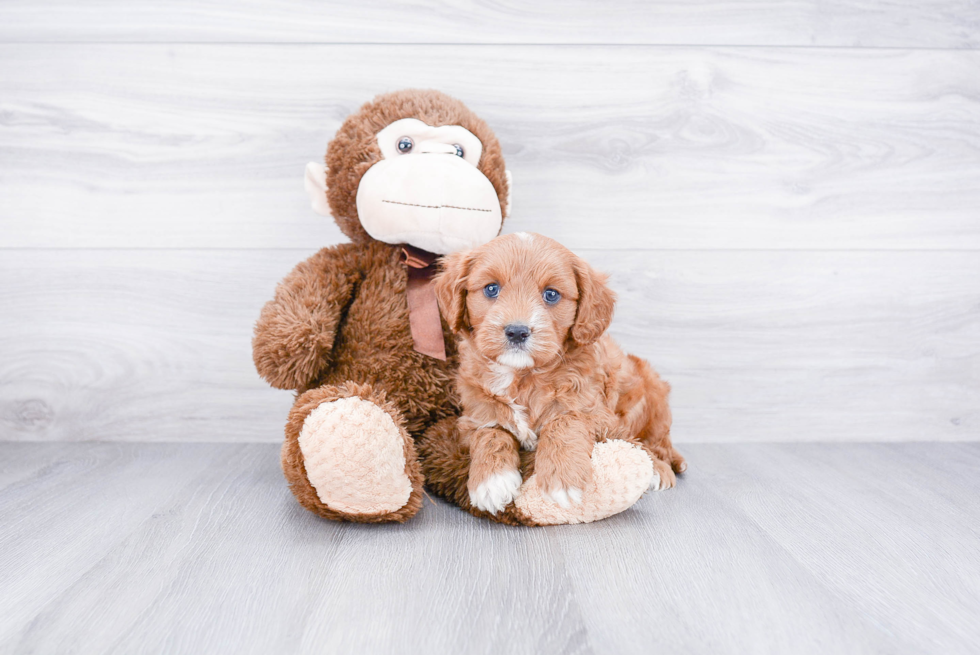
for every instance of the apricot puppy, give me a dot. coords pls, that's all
(537, 371)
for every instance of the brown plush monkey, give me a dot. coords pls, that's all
(355, 329)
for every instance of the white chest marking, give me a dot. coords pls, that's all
(521, 430)
(500, 382)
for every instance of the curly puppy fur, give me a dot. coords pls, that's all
(445, 457)
(339, 322)
(563, 387)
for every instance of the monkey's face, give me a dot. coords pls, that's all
(427, 191)
(413, 167)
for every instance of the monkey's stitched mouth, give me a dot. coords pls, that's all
(411, 204)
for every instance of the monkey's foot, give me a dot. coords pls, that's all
(621, 473)
(350, 458)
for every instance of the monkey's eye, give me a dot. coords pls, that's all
(405, 144)
(492, 290)
(459, 149)
(551, 296)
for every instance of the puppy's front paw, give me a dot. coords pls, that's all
(496, 492)
(663, 476)
(565, 497)
(563, 485)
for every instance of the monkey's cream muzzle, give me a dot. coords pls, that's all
(434, 201)
(426, 190)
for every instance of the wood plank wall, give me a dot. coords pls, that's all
(787, 195)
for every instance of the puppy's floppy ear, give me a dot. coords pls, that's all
(595, 304)
(451, 290)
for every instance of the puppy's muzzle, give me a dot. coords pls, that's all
(517, 334)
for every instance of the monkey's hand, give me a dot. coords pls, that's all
(295, 332)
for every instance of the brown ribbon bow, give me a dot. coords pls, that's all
(423, 308)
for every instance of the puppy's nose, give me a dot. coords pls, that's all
(517, 334)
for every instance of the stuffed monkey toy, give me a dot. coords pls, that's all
(355, 329)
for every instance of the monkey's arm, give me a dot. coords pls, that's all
(295, 332)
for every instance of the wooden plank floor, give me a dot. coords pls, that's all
(763, 548)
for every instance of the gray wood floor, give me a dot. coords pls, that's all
(763, 548)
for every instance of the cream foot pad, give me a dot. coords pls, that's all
(354, 456)
(621, 472)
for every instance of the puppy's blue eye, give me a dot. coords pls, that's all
(551, 296)
(492, 290)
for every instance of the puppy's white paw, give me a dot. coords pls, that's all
(655, 482)
(621, 473)
(565, 497)
(497, 491)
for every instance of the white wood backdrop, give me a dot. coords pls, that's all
(786, 193)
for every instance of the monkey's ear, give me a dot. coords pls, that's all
(510, 192)
(595, 304)
(315, 184)
(451, 290)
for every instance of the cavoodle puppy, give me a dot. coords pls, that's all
(538, 372)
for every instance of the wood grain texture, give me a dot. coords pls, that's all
(866, 23)
(759, 346)
(804, 547)
(761, 548)
(155, 343)
(922, 492)
(203, 146)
